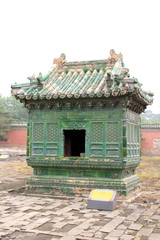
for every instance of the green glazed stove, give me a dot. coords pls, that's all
(83, 127)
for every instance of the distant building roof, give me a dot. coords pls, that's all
(85, 79)
(19, 124)
(150, 125)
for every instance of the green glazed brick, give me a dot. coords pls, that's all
(124, 152)
(124, 142)
(124, 131)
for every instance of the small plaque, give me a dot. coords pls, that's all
(4, 157)
(102, 199)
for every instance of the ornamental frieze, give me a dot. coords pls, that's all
(62, 105)
(74, 125)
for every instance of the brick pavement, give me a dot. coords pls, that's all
(45, 218)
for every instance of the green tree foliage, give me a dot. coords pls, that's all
(11, 111)
(5, 121)
(149, 121)
(150, 118)
(15, 108)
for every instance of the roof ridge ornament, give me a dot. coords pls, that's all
(40, 81)
(32, 79)
(114, 57)
(60, 61)
(116, 71)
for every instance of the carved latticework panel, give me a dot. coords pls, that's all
(112, 139)
(97, 146)
(133, 140)
(38, 139)
(38, 132)
(97, 132)
(112, 132)
(45, 139)
(51, 139)
(105, 139)
(52, 132)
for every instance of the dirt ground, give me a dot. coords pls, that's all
(149, 173)
(14, 172)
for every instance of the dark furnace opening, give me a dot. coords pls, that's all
(74, 143)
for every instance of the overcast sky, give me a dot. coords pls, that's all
(33, 32)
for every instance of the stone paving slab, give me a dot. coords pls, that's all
(46, 218)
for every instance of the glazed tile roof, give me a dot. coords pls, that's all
(86, 79)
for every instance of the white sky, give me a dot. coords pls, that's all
(33, 32)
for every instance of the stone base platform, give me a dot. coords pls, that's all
(70, 186)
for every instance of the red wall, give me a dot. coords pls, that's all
(16, 136)
(150, 141)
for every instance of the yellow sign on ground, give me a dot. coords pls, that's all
(102, 195)
(3, 156)
(102, 199)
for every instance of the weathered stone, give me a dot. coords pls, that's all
(75, 231)
(133, 207)
(115, 234)
(57, 219)
(59, 225)
(36, 223)
(135, 226)
(78, 221)
(145, 231)
(137, 237)
(114, 213)
(154, 236)
(133, 217)
(112, 224)
(155, 217)
(83, 226)
(148, 213)
(2, 234)
(98, 235)
(130, 232)
(88, 215)
(87, 234)
(127, 237)
(10, 218)
(111, 238)
(67, 237)
(122, 227)
(47, 213)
